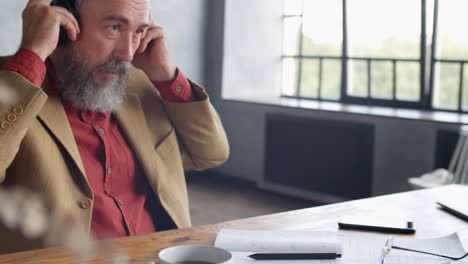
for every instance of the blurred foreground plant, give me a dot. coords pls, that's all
(29, 223)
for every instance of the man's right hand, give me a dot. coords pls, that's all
(41, 27)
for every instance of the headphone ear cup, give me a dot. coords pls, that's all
(69, 5)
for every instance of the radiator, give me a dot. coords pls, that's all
(319, 157)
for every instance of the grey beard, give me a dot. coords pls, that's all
(80, 88)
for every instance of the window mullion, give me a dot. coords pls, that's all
(301, 53)
(460, 91)
(394, 79)
(433, 53)
(425, 90)
(344, 58)
(369, 77)
(320, 73)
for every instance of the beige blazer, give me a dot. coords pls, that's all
(38, 149)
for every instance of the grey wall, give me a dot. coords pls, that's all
(402, 149)
(183, 20)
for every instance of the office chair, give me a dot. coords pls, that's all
(457, 172)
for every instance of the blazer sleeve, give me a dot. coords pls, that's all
(201, 134)
(20, 103)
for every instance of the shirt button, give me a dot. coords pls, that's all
(18, 110)
(178, 89)
(86, 203)
(11, 117)
(109, 170)
(119, 202)
(102, 131)
(5, 125)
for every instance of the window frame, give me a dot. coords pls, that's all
(426, 72)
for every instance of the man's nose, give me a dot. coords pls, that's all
(125, 48)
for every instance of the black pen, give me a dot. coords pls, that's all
(294, 256)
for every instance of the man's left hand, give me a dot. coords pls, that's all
(153, 57)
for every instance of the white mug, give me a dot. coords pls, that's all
(193, 253)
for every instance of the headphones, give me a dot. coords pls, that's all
(69, 5)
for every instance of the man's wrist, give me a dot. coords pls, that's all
(163, 74)
(177, 90)
(28, 64)
(36, 51)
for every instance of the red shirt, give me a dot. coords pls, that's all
(121, 206)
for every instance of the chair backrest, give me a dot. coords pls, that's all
(459, 162)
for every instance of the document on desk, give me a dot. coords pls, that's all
(243, 243)
(355, 248)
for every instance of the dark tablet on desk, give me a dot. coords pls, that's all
(458, 209)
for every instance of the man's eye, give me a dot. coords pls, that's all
(115, 27)
(140, 31)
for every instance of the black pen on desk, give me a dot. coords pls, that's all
(293, 256)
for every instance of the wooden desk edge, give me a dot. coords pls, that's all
(144, 248)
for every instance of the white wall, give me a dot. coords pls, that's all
(10, 25)
(252, 48)
(183, 20)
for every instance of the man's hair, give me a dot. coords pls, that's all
(79, 4)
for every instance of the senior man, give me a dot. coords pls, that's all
(104, 124)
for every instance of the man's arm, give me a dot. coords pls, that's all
(20, 109)
(201, 134)
(210, 149)
(20, 99)
(20, 103)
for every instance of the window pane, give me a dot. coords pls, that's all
(310, 78)
(322, 27)
(331, 79)
(292, 7)
(408, 81)
(357, 78)
(382, 80)
(384, 28)
(446, 86)
(290, 75)
(291, 35)
(451, 33)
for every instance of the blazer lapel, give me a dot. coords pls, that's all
(54, 117)
(131, 118)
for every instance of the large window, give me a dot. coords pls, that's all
(399, 53)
